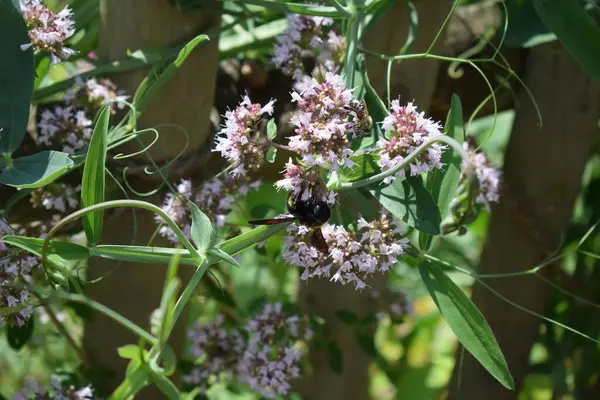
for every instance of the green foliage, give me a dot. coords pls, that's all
(202, 231)
(409, 201)
(36, 170)
(16, 79)
(466, 322)
(92, 186)
(575, 29)
(18, 336)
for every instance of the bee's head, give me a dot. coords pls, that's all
(321, 212)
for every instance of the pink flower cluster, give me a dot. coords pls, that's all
(15, 269)
(312, 35)
(321, 126)
(488, 176)
(353, 255)
(34, 390)
(407, 129)
(239, 140)
(48, 30)
(216, 198)
(56, 196)
(262, 355)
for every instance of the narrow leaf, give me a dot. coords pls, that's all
(250, 238)
(36, 170)
(467, 323)
(409, 201)
(16, 77)
(143, 254)
(335, 357)
(575, 29)
(158, 76)
(58, 252)
(220, 255)
(347, 316)
(92, 187)
(202, 230)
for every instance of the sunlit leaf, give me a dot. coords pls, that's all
(467, 323)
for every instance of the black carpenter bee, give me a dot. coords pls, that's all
(312, 213)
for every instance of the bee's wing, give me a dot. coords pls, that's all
(278, 219)
(319, 240)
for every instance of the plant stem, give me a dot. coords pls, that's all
(62, 330)
(356, 7)
(340, 186)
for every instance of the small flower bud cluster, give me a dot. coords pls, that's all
(68, 125)
(219, 348)
(56, 196)
(407, 129)
(216, 198)
(488, 176)
(263, 356)
(311, 35)
(66, 128)
(15, 268)
(392, 302)
(94, 94)
(353, 256)
(48, 30)
(33, 390)
(239, 141)
(321, 126)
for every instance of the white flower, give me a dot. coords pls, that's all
(488, 176)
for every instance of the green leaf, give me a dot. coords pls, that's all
(375, 106)
(165, 385)
(576, 30)
(143, 254)
(158, 76)
(58, 252)
(202, 229)
(335, 357)
(92, 186)
(347, 316)
(525, 29)
(41, 70)
(271, 154)
(250, 238)
(442, 183)
(409, 201)
(132, 352)
(271, 129)
(16, 77)
(366, 342)
(223, 256)
(467, 323)
(364, 166)
(18, 336)
(36, 170)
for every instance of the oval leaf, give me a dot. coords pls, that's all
(409, 201)
(16, 77)
(202, 231)
(271, 129)
(575, 29)
(92, 186)
(36, 170)
(467, 323)
(18, 336)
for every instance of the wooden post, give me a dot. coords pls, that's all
(542, 173)
(134, 290)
